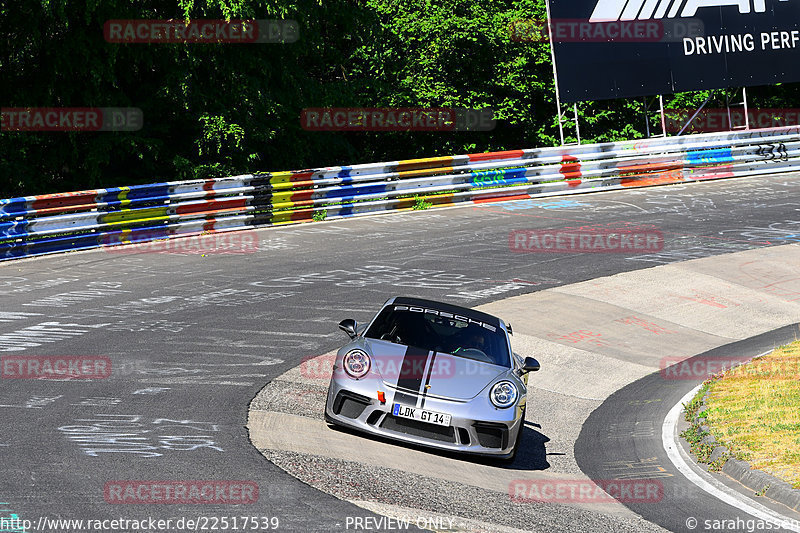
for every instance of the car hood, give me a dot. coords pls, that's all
(436, 374)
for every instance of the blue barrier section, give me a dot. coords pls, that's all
(707, 157)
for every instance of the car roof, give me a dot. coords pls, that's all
(449, 308)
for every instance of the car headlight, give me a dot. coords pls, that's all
(356, 363)
(503, 394)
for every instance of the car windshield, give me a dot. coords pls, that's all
(439, 331)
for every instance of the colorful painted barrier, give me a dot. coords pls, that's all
(51, 223)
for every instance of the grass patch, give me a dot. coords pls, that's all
(420, 204)
(754, 411)
(694, 435)
(690, 408)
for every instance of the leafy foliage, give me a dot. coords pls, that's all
(420, 204)
(219, 109)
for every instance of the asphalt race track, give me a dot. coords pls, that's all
(192, 338)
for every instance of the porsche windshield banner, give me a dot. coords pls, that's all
(626, 48)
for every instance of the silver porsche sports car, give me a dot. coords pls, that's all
(432, 374)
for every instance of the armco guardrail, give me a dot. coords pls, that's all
(111, 217)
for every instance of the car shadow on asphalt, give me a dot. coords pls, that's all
(531, 455)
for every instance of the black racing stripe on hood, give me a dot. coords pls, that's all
(428, 380)
(412, 370)
(405, 398)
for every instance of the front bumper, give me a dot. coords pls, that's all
(476, 427)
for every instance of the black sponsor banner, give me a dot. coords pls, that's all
(625, 48)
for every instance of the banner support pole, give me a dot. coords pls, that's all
(663, 119)
(555, 80)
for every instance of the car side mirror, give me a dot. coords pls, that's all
(530, 365)
(349, 325)
(508, 328)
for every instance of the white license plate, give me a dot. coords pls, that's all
(414, 413)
